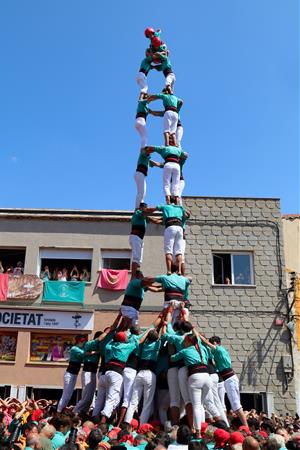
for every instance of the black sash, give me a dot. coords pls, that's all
(171, 108)
(141, 114)
(166, 72)
(173, 221)
(143, 169)
(147, 364)
(227, 373)
(138, 230)
(131, 300)
(132, 361)
(90, 366)
(74, 367)
(197, 368)
(115, 366)
(172, 158)
(173, 294)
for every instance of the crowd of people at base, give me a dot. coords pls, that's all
(63, 274)
(37, 425)
(17, 270)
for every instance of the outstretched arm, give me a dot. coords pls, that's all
(151, 98)
(206, 341)
(148, 149)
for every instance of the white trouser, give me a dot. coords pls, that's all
(181, 188)
(183, 252)
(171, 178)
(131, 313)
(100, 400)
(129, 375)
(113, 386)
(215, 380)
(137, 247)
(144, 385)
(170, 80)
(162, 404)
(221, 394)
(176, 305)
(69, 386)
(88, 381)
(141, 80)
(233, 392)
(200, 393)
(184, 384)
(170, 122)
(140, 181)
(173, 240)
(179, 134)
(174, 390)
(141, 128)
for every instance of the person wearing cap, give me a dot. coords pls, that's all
(172, 105)
(171, 174)
(117, 352)
(231, 382)
(139, 222)
(145, 381)
(91, 358)
(195, 358)
(71, 373)
(221, 438)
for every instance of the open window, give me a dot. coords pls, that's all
(12, 260)
(116, 259)
(65, 264)
(51, 348)
(233, 268)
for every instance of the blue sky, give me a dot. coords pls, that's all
(68, 99)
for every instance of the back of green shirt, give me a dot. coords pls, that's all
(142, 107)
(150, 350)
(138, 218)
(170, 100)
(143, 159)
(174, 281)
(92, 346)
(120, 351)
(191, 355)
(166, 151)
(222, 358)
(171, 211)
(135, 289)
(76, 354)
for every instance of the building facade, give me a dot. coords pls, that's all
(234, 254)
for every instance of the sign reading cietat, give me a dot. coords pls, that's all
(59, 320)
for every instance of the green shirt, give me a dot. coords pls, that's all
(150, 350)
(92, 346)
(142, 107)
(143, 159)
(222, 358)
(76, 354)
(170, 100)
(165, 63)
(171, 211)
(169, 150)
(138, 218)
(58, 440)
(120, 350)
(174, 281)
(135, 289)
(146, 64)
(191, 356)
(174, 338)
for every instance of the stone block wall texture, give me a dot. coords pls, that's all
(242, 316)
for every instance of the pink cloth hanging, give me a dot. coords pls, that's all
(3, 286)
(113, 280)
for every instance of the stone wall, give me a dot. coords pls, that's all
(242, 316)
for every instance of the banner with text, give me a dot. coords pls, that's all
(59, 320)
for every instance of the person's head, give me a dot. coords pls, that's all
(19, 264)
(33, 441)
(284, 433)
(173, 200)
(97, 334)
(152, 336)
(135, 329)
(94, 438)
(48, 431)
(236, 438)
(61, 423)
(184, 435)
(121, 337)
(268, 426)
(30, 428)
(176, 325)
(80, 340)
(275, 442)
(143, 206)
(215, 340)
(139, 274)
(253, 424)
(221, 437)
(186, 327)
(189, 340)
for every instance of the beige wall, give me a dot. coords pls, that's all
(83, 234)
(291, 237)
(24, 372)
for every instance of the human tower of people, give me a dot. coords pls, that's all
(171, 368)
